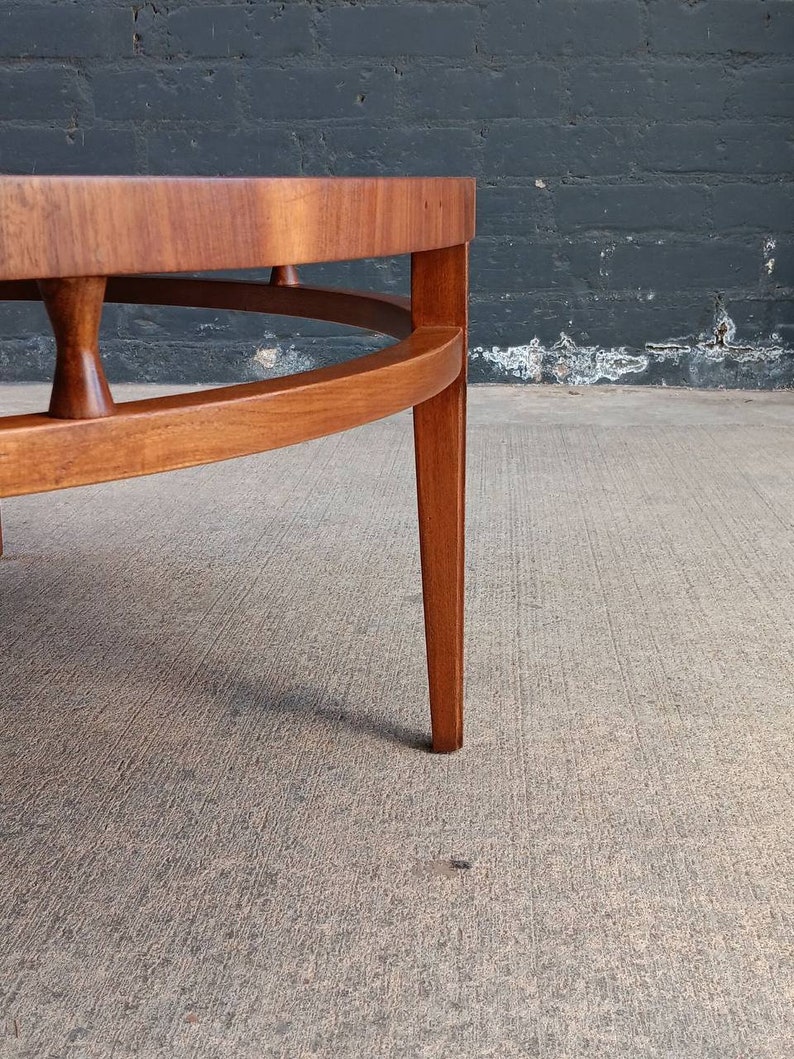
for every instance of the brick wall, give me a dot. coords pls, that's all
(634, 161)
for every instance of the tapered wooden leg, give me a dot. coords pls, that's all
(438, 292)
(439, 433)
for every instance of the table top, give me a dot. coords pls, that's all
(54, 226)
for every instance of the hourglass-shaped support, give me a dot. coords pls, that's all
(79, 388)
(284, 276)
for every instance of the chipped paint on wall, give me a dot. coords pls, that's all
(605, 259)
(273, 361)
(266, 357)
(522, 362)
(721, 343)
(565, 360)
(580, 364)
(769, 261)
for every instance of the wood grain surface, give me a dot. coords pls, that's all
(38, 453)
(76, 242)
(102, 226)
(439, 284)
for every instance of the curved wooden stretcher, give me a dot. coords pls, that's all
(76, 242)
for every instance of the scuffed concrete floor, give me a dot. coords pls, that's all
(222, 834)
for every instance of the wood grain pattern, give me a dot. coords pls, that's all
(439, 284)
(284, 276)
(38, 453)
(385, 313)
(74, 241)
(74, 306)
(388, 314)
(102, 226)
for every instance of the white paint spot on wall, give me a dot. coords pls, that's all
(605, 260)
(720, 343)
(769, 261)
(273, 361)
(567, 361)
(266, 357)
(581, 365)
(523, 362)
(540, 183)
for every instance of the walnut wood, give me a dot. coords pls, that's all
(74, 306)
(59, 236)
(38, 453)
(101, 226)
(384, 313)
(387, 314)
(284, 276)
(439, 281)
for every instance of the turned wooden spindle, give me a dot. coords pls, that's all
(79, 388)
(284, 276)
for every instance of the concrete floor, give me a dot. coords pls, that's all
(221, 832)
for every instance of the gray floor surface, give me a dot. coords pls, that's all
(222, 835)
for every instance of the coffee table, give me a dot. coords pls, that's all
(77, 242)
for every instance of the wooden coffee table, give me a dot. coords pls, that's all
(76, 242)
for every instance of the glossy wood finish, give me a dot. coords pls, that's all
(166, 433)
(387, 314)
(102, 226)
(439, 284)
(284, 276)
(74, 306)
(384, 313)
(71, 241)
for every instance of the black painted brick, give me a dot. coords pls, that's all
(340, 92)
(517, 92)
(33, 92)
(440, 29)
(223, 31)
(782, 315)
(631, 207)
(519, 211)
(769, 90)
(766, 206)
(783, 273)
(21, 319)
(705, 147)
(30, 149)
(391, 150)
(64, 30)
(170, 93)
(222, 152)
(713, 27)
(593, 322)
(555, 27)
(154, 323)
(682, 266)
(541, 267)
(649, 90)
(520, 149)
